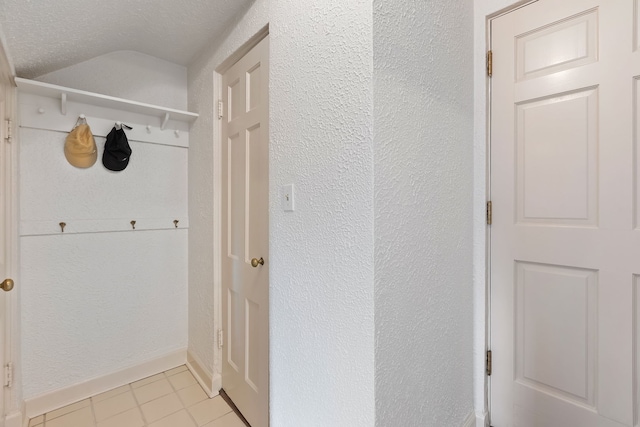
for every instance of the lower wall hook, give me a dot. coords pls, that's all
(133, 225)
(62, 226)
(175, 222)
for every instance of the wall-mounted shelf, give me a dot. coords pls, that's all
(65, 94)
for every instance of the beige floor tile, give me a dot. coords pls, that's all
(131, 418)
(192, 395)
(176, 370)
(209, 410)
(160, 408)
(152, 391)
(35, 421)
(229, 420)
(80, 418)
(114, 405)
(178, 419)
(182, 380)
(110, 393)
(67, 409)
(148, 380)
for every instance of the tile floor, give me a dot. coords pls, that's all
(169, 399)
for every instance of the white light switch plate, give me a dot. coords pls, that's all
(287, 198)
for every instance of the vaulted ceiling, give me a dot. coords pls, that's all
(44, 36)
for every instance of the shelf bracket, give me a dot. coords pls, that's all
(63, 104)
(164, 121)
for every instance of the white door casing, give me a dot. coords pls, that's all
(6, 236)
(565, 239)
(245, 234)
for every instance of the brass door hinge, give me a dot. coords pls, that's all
(8, 135)
(489, 363)
(220, 109)
(489, 212)
(8, 375)
(490, 63)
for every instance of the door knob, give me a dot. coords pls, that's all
(7, 285)
(255, 262)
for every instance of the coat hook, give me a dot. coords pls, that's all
(177, 133)
(40, 110)
(148, 129)
(175, 222)
(133, 225)
(62, 226)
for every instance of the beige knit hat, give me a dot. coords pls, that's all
(80, 147)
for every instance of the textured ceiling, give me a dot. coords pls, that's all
(44, 36)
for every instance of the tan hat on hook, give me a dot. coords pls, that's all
(80, 147)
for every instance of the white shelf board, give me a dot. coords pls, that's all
(55, 91)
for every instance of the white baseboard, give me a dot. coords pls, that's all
(217, 383)
(202, 374)
(481, 419)
(15, 419)
(65, 396)
(470, 421)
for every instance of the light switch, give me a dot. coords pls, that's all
(287, 198)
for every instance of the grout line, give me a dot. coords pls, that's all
(166, 377)
(144, 419)
(180, 399)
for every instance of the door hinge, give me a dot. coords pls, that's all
(8, 375)
(8, 130)
(489, 212)
(220, 338)
(489, 363)
(220, 109)
(490, 63)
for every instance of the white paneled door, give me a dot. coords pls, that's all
(565, 239)
(245, 234)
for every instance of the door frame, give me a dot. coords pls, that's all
(217, 196)
(14, 410)
(484, 12)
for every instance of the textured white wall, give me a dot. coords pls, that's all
(321, 266)
(127, 74)
(96, 303)
(423, 212)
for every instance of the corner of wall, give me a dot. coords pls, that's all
(209, 382)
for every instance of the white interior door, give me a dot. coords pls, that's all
(565, 239)
(245, 234)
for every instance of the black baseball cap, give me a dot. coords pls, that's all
(116, 151)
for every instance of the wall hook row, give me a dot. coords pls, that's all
(120, 125)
